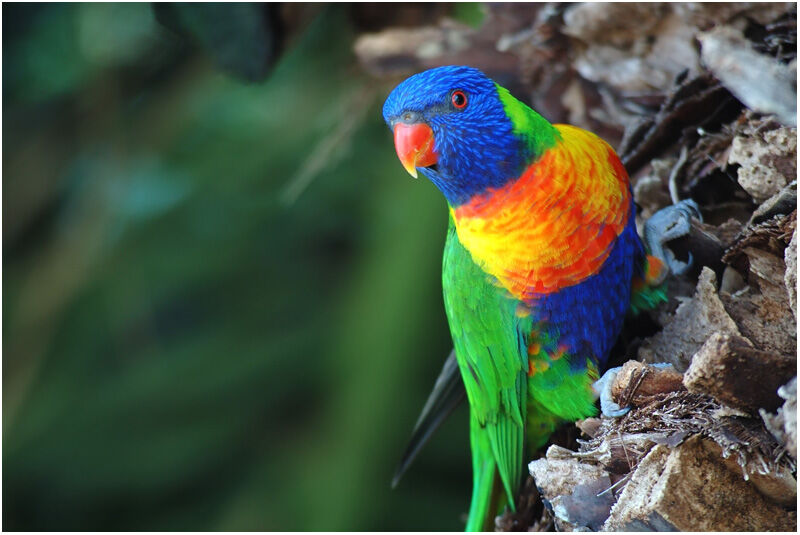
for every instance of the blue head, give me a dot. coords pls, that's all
(474, 145)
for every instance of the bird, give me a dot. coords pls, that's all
(541, 264)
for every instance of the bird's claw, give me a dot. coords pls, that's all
(602, 387)
(666, 225)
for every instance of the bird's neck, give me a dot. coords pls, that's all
(500, 150)
(534, 132)
(554, 225)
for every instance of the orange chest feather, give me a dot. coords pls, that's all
(555, 225)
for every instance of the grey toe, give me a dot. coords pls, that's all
(603, 388)
(669, 224)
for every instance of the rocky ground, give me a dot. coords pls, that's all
(700, 102)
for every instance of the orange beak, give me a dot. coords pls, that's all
(414, 146)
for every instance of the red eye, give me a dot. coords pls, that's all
(459, 99)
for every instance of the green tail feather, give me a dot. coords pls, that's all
(488, 494)
(481, 509)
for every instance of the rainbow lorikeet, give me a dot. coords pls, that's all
(542, 262)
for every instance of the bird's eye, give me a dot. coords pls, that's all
(459, 99)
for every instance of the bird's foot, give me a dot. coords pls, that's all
(603, 386)
(669, 224)
(603, 389)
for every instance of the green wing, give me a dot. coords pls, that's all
(490, 343)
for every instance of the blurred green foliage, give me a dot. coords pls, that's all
(222, 301)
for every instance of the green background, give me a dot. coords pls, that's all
(221, 299)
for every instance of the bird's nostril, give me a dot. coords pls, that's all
(410, 117)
